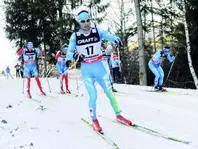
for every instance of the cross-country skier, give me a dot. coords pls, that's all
(29, 55)
(154, 65)
(61, 67)
(8, 72)
(106, 57)
(17, 67)
(21, 70)
(115, 64)
(87, 41)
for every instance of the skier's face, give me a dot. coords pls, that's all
(85, 24)
(64, 52)
(166, 52)
(114, 53)
(29, 48)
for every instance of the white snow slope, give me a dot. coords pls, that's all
(55, 123)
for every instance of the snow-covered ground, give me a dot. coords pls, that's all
(55, 123)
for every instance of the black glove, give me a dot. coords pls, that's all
(78, 57)
(118, 42)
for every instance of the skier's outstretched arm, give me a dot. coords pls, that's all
(107, 36)
(58, 54)
(71, 46)
(20, 52)
(156, 56)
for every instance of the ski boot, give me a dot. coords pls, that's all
(114, 90)
(42, 92)
(62, 91)
(28, 94)
(162, 89)
(156, 88)
(68, 91)
(96, 126)
(123, 120)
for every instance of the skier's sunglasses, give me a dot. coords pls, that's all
(86, 20)
(167, 51)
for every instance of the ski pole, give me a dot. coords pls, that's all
(170, 70)
(23, 86)
(77, 87)
(48, 84)
(73, 65)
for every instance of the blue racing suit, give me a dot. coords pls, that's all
(8, 73)
(154, 65)
(92, 68)
(29, 57)
(61, 66)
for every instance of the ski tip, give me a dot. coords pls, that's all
(186, 142)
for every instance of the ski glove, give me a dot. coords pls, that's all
(171, 58)
(118, 42)
(78, 57)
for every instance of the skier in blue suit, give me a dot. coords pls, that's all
(29, 54)
(8, 72)
(154, 65)
(61, 67)
(87, 41)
